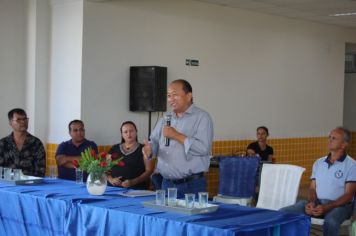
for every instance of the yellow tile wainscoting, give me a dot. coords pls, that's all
(297, 151)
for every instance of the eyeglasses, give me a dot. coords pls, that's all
(18, 120)
(78, 130)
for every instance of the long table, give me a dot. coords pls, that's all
(60, 207)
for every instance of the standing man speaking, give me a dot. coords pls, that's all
(182, 142)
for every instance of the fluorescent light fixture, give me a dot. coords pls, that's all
(344, 14)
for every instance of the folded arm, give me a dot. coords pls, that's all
(66, 161)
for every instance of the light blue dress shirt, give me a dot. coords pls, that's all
(178, 160)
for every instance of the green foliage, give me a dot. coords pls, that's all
(96, 164)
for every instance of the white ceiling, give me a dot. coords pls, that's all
(311, 10)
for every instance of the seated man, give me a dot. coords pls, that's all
(333, 186)
(71, 149)
(20, 149)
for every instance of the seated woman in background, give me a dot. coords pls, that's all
(260, 147)
(137, 170)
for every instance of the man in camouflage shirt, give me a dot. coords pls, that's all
(20, 149)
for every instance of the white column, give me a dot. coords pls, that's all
(38, 18)
(66, 67)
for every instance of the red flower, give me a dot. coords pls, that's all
(93, 153)
(121, 164)
(114, 156)
(103, 164)
(75, 163)
(103, 155)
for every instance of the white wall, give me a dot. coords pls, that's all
(350, 101)
(65, 71)
(12, 59)
(255, 69)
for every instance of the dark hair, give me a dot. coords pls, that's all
(186, 86)
(75, 122)
(19, 111)
(127, 123)
(264, 128)
(346, 133)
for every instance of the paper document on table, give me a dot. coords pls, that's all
(137, 193)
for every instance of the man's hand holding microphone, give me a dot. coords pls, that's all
(168, 133)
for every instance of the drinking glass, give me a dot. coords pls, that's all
(161, 197)
(203, 199)
(78, 176)
(17, 174)
(189, 200)
(172, 196)
(52, 172)
(7, 173)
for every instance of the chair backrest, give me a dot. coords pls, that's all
(237, 176)
(279, 185)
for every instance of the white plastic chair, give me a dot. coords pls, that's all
(347, 223)
(279, 185)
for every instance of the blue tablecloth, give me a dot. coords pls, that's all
(60, 207)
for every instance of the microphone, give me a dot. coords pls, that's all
(167, 119)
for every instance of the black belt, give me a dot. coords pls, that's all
(188, 178)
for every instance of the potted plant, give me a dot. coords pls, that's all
(97, 165)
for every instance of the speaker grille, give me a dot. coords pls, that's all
(148, 88)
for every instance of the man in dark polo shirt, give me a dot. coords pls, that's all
(70, 150)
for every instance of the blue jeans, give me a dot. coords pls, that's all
(332, 220)
(193, 186)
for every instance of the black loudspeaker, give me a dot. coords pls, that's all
(148, 88)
